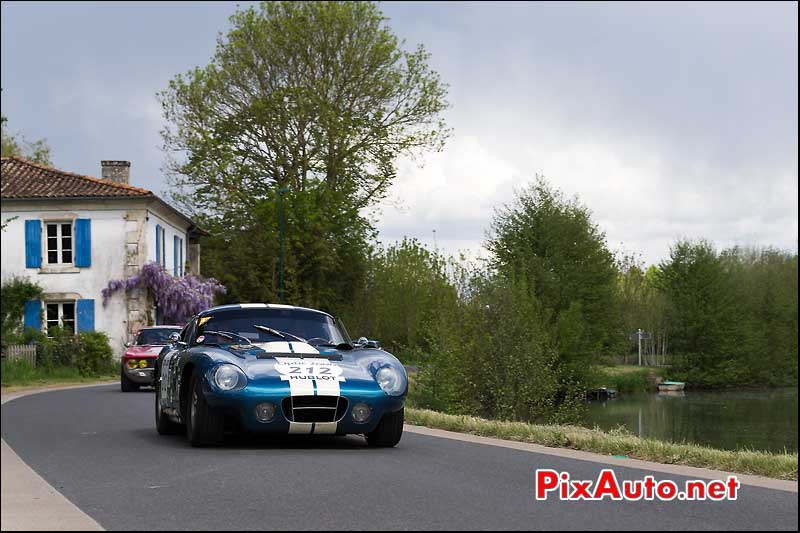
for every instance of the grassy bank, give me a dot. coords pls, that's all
(20, 374)
(626, 378)
(779, 466)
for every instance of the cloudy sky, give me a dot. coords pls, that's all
(667, 120)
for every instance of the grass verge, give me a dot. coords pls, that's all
(626, 378)
(18, 374)
(778, 466)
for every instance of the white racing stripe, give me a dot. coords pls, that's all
(307, 376)
(325, 428)
(300, 428)
(328, 387)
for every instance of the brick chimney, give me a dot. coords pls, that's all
(118, 171)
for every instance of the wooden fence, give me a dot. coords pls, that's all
(24, 352)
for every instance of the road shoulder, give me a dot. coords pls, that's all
(28, 502)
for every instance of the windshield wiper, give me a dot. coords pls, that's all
(227, 335)
(278, 333)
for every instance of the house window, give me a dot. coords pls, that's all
(60, 314)
(59, 243)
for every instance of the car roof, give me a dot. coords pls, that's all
(259, 306)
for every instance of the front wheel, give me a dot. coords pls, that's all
(388, 432)
(125, 384)
(164, 425)
(204, 425)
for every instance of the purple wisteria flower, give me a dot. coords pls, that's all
(177, 298)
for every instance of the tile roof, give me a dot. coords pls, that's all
(23, 179)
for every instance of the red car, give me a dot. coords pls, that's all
(140, 357)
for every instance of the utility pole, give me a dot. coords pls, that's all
(281, 192)
(639, 335)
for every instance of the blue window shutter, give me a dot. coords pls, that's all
(158, 244)
(33, 315)
(83, 242)
(33, 244)
(85, 312)
(175, 255)
(182, 266)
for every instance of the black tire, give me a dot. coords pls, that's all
(388, 432)
(125, 384)
(204, 425)
(164, 425)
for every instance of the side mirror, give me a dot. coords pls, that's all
(174, 337)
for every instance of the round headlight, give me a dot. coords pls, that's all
(227, 377)
(143, 363)
(131, 363)
(361, 413)
(390, 380)
(265, 411)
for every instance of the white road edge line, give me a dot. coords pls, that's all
(27, 501)
(679, 470)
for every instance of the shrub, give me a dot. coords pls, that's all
(94, 355)
(88, 352)
(14, 292)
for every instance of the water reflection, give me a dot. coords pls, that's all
(753, 419)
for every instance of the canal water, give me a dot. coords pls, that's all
(731, 420)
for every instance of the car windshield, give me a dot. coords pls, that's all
(311, 326)
(155, 336)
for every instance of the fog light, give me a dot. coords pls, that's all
(143, 363)
(131, 363)
(361, 413)
(265, 411)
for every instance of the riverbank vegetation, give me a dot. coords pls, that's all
(277, 160)
(616, 443)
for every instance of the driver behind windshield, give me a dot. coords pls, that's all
(269, 325)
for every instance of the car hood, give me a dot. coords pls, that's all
(270, 360)
(151, 350)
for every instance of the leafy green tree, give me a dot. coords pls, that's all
(701, 305)
(14, 292)
(642, 305)
(553, 241)
(317, 97)
(406, 287)
(17, 145)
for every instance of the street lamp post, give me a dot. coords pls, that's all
(281, 192)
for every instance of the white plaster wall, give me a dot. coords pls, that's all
(170, 230)
(108, 259)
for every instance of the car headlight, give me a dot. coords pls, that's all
(390, 380)
(228, 377)
(143, 363)
(131, 364)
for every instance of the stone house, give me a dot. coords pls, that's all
(72, 234)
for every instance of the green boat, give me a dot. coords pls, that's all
(671, 386)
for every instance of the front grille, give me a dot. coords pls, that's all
(314, 408)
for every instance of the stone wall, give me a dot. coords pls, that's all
(138, 302)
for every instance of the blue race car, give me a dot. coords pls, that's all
(276, 369)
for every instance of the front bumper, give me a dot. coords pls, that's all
(140, 376)
(242, 405)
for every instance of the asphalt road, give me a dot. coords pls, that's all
(100, 449)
